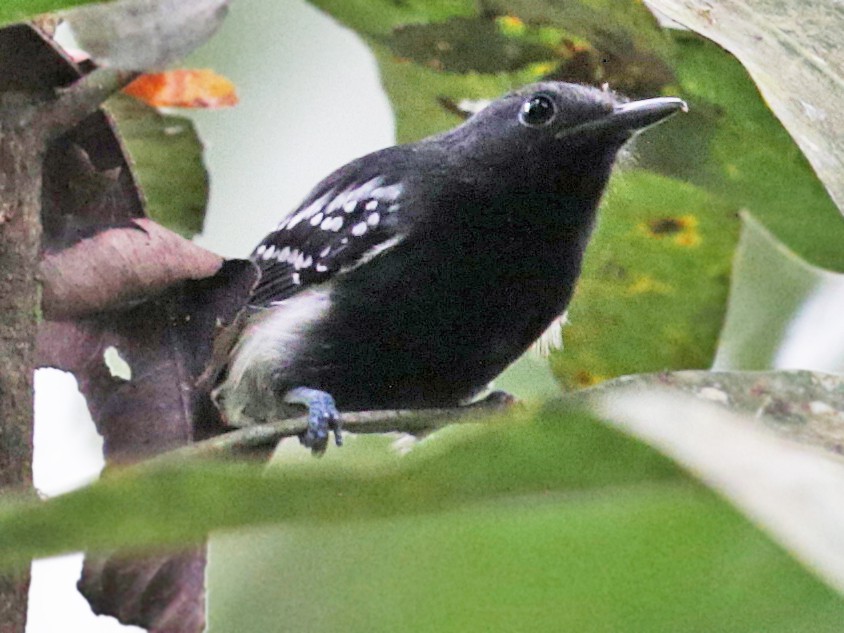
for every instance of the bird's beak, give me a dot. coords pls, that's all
(627, 118)
(637, 115)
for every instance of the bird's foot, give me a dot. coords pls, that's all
(323, 418)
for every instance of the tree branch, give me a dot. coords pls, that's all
(259, 441)
(81, 99)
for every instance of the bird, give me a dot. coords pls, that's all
(412, 276)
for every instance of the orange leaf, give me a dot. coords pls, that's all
(184, 89)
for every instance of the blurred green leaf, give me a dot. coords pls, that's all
(522, 454)
(794, 491)
(545, 518)
(371, 17)
(782, 312)
(20, 10)
(655, 558)
(647, 557)
(166, 157)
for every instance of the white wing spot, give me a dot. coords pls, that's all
(373, 219)
(359, 229)
(260, 250)
(294, 255)
(371, 205)
(350, 205)
(283, 254)
(338, 202)
(332, 224)
(325, 251)
(316, 219)
(269, 253)
(345, 240)
(393, 208)
(392, 192)
(296, 279)
(321, 268)
(308, 211)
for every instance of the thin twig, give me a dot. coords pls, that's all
(261, 439)
(82, 98)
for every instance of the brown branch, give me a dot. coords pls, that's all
(260, 440)
(81, 99)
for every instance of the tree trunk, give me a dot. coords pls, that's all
(21, 155)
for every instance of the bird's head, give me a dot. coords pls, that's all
(551, 128)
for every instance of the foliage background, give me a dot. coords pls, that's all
(660, 561)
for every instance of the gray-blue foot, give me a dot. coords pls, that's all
(323, 418)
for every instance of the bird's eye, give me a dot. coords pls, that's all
(537, 111)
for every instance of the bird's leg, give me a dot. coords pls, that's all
(323, 417)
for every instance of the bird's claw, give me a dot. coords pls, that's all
(323, 418)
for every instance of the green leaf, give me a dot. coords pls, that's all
(791, 490)
(654, 284)
(20, 10)
(797, 62)
(647, 557)
(372, 17)
(782, 312)
(166, 157)
(522, 454)
(543, 517)
(659, 558)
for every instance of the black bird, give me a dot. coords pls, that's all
(412, 276)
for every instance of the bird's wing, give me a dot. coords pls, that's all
(337, 228)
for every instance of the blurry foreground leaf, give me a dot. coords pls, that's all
(783, 312)
(548, 518)
(793, 491)
(522, 454)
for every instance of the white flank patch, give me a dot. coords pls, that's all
(552, 338)
(270, 340)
